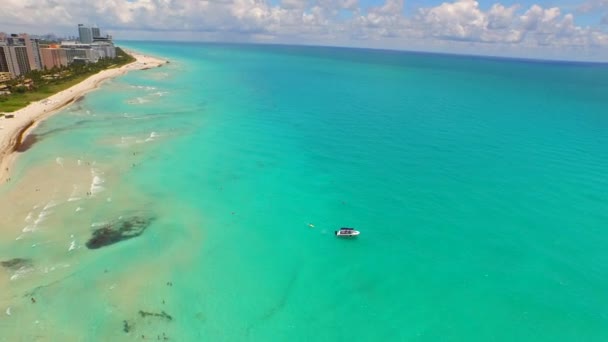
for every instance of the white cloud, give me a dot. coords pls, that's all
(450, 25)
(501, 17)
(536, 26)
(592, 5)
(460, 20)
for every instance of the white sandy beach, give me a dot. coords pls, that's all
(13, 130)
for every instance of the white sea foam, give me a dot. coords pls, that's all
(96, 183)
(143, 87)
(34, 227)
(72, 245)
(29, 229)
(138, 100)
(79, 209)
(59, 161)
(79, 162)
(21, 272)
(99, 224)
(8, 311)
(152, 136)
(42, 217)
(50, 205)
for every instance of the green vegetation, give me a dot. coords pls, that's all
(45, 83)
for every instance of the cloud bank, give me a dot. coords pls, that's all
(458, 26)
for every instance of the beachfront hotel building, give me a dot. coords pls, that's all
(95, 32)
(53, 56)
(90, 53)
(104, 49)
(85, 34)
(17, 59)
(20, 54)
(4, 57)
(11, 57)
(36, 52)
(31, 47)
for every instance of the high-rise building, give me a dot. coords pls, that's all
(19, 56)
(53, 56)
(85, 34)
(104, 49)
(75, 50)
(4, 57)
(15, 51)
(95, 31)
(37, 56)
(32, 51)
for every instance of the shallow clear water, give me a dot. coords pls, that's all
(478, 185)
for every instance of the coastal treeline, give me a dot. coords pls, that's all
(39, 84)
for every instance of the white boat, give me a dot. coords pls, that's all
(347, 232)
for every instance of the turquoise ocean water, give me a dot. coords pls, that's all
(479, 187)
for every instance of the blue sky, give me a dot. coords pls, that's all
(549, 29)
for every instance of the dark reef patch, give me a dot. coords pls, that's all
(16, 263)
(162, 314)
(126, 327)
(119, 230)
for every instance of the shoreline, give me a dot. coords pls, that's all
(14, 131)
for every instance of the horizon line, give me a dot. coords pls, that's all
(397, 50)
